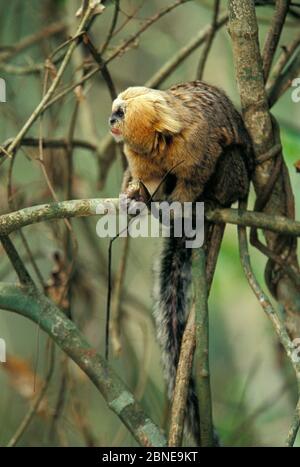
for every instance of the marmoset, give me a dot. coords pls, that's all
(191, 142)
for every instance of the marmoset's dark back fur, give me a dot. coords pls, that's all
(194, 131)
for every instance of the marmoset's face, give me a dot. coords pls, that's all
(116, 120)
(140, 114)
(132, 121)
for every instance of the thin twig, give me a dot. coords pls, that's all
(284, 80)
(198, 39)
(55, 143)
(273, 36)
(102, 66)
(285, 56)
(116, 304)
(112, 27)
(209, 41)
(264, 301)
(63, 45)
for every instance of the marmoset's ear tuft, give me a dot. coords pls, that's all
(168, 121)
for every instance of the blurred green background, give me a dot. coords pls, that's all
(253, 388)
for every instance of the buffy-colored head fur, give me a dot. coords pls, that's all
(139, 114)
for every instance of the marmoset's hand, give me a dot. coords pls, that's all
(137, 196)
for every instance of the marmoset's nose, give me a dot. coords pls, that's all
(112, 120)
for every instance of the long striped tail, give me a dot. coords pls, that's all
(171, 298)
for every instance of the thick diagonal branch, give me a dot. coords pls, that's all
(29, 303)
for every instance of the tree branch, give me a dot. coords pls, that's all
(38, 308)
(209, 41)
(265, 135)
(284, 80)
(11, 51)
(202, 349)
(286, 54)
(273, 36)
(88, 207)
(183, 375)
(53, 143)
(38, 110)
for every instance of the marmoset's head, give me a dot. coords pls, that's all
(139, 114)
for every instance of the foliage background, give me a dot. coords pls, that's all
(253, 398)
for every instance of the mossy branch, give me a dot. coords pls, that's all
(28, 302)
(90, 207)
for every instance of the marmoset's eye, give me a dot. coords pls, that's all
(120, 113)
